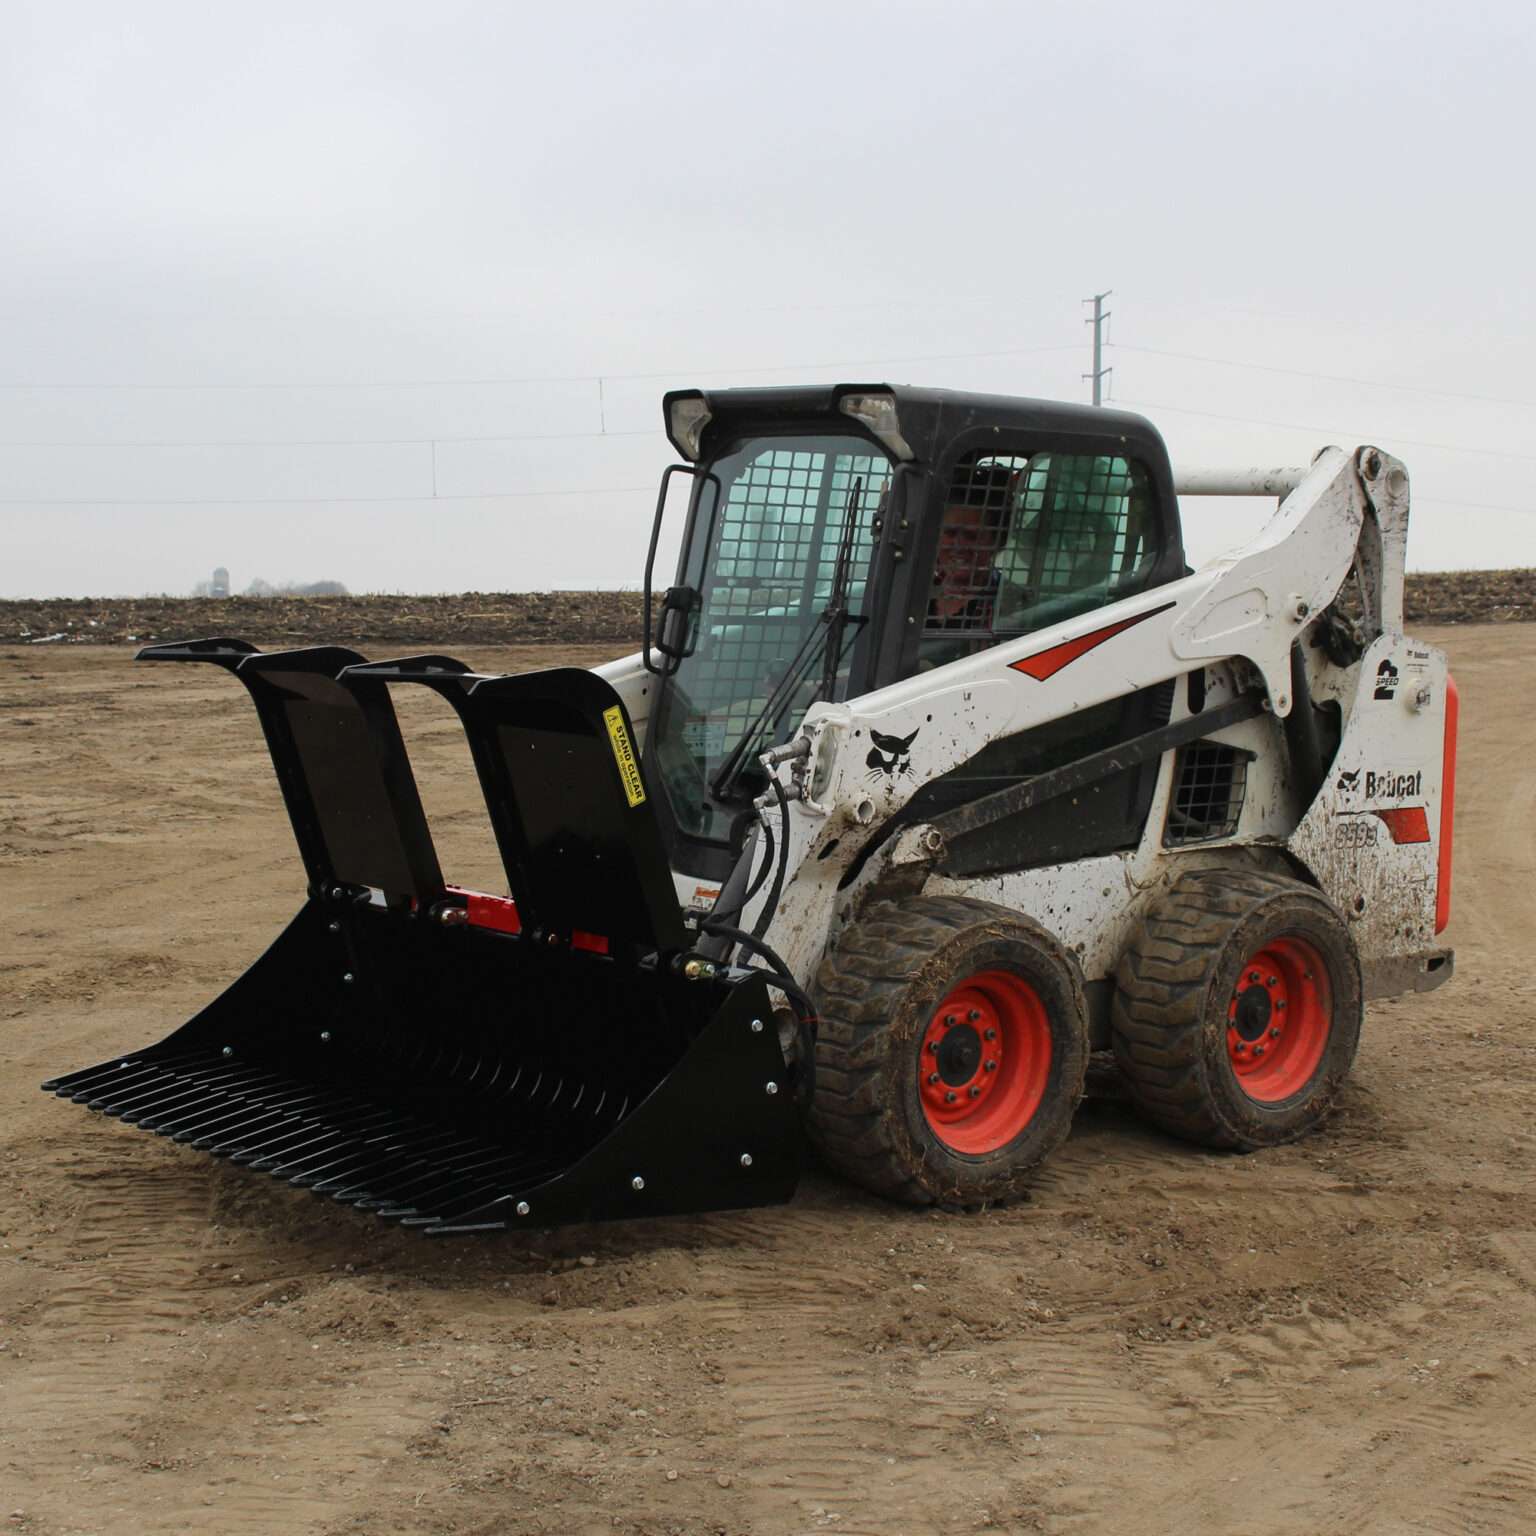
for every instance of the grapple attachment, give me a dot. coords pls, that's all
(455, 1060)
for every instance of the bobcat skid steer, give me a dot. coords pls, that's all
(938, 771)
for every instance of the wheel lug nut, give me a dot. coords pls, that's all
(949, 1098)
(1258, 1050)
(933, 1079)
(1242, 1050)
(1274, 1033)
(991, 1066)
(1280, 1006)
(933, 1045)
(989, 1034)
(949, 1021)
(1253, 975)
(975, 1091)
(972, 1014)
(1271, 981)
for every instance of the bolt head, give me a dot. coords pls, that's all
(637, 1183)
(991, 1066)
(522, 1207)
(933, 1045)
(974, 1091)
(325, 1034)
(972, 1014)
(1253, 975)
(771, 1089)
(950, 1021)
(746, 1159)
(348, 977)
(933, 1079)
(1242, 1048)
(228, 1050)
(949, 1098)
(757, 1026)
(1258, 1050)
(989, 1034)
(1271, 981)
(1274, 1033)
(334, 927)
(1280, 1006)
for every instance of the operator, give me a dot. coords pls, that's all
(963, 597)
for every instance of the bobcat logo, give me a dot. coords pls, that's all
(1349, 782)
(890, 755)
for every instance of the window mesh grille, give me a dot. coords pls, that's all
(781, 527)
(1027, 541)
(1210, 781)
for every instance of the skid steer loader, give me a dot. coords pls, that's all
(937, 771)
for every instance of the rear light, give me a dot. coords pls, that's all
(1447, 805)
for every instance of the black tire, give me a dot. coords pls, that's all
(878, 994)
(1189, 1044)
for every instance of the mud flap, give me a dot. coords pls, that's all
(458, 1062)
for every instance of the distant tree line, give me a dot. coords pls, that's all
(262, 588)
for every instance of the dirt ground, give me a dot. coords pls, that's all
(1336, 1336)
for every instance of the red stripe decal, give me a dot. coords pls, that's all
(1407, 824)
(1047, 663)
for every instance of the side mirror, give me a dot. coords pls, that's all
(677, 625)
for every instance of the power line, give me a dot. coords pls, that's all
(574, 378)
(335, 442)
(1331, 378)
(1472, 506)
(1302, 426)
(306, 501)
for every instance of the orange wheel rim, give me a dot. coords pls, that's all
(984, 1061)
(1279, 1019)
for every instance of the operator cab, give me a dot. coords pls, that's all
(842, 538)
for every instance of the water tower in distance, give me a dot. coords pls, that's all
(220, 584)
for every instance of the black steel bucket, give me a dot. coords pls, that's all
(463, 1062)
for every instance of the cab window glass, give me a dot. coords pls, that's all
(1027, 541)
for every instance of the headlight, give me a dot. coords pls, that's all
(878, 413)
(687, 418)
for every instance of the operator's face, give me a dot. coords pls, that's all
(966, 548)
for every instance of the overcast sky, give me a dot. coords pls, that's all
(325, 290)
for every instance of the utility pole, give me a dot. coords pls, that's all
(1100, 372)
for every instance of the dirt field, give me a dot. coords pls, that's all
(1338, 1336)
(509, 618)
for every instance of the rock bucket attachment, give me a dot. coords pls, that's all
(462, 1062)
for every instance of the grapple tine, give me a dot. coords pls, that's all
(446, 1058)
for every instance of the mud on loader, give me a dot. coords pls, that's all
(938, 770)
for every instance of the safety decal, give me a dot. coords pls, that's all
(1047, 663)
(624, 756)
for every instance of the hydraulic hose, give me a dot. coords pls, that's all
(760, 927)
(783, 978)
